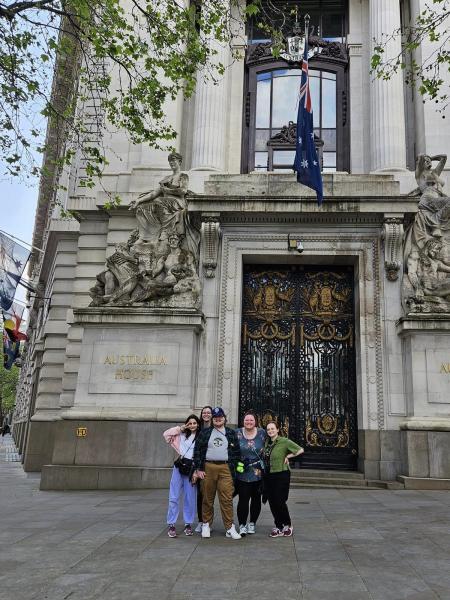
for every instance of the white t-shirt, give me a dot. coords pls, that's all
(187, 445)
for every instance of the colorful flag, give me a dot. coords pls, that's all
(13, 258)
(11, 351)
(306, 162)
(12, 320)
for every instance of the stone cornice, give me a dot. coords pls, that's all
(294, 204)
(125, 316)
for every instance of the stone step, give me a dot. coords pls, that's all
(364, 485)
(316, 478)
(328, 474)
(330, 486)
(342, 481)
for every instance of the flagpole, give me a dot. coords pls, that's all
(23, 241)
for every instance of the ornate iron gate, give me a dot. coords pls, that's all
(298, 359)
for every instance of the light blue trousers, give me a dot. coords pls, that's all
(181, 486)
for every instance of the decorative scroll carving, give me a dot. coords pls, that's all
(157, 266)
(319, 47)
(210, 245)
(259, 52)
(334, 50)
(426, 283)
(393, 243)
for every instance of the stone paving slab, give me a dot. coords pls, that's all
(348, 544)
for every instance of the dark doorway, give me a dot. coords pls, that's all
(298, 358)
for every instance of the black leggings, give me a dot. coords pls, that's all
(276, 486)
(249, 493)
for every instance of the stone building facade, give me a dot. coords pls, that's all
(224, 283)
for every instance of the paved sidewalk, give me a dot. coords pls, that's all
(348, 544)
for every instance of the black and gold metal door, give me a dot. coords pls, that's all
(298, 359)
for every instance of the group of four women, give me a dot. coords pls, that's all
(257, 460)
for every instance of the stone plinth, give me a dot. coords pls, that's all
(136, 359)
(426, 356)
(426, 453)
(137, 377)
(426, 432)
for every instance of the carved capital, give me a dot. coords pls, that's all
(210, 244)
(393, 241)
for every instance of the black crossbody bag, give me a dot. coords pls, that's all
(183, 464)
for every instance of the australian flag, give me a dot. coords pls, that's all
(306, 162)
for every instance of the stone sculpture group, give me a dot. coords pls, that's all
(426, 282)
(158, 265)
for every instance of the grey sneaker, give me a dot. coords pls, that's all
(251, 528)
(198, 529)
(232, 533)
(243, 530)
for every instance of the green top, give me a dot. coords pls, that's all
(281, 448)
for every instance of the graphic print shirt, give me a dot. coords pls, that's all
(217, 446)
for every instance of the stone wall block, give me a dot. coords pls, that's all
(371, 469)
(417, 454)
(40, 445)
(439, 443)
(390, 445)
(118, 443)
(372, 450)
(389, 469)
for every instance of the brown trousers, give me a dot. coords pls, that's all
(218, 479)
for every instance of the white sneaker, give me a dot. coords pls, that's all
(198, 529)
(232, 533)
(251, 528)
(206, 532)
(242, 530)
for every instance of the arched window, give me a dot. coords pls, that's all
(271, 97)
(277, 106)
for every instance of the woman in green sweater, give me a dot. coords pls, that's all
(277, 452)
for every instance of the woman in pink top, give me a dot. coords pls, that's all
(182, 439)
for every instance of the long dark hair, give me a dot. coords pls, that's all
(188, 432)
(202, 422)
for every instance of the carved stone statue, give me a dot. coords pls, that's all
(120, 277)
(163, 211)
(426, 285)
(157, 266)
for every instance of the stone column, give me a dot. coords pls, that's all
(210, 119)
(387, 111)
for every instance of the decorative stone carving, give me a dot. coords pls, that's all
(319, 47)
(210, 244)
(158, 264)
(287, 135)
(163, 211)
(426, 284)
(393, 241)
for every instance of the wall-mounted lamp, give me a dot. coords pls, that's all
(294, 243)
